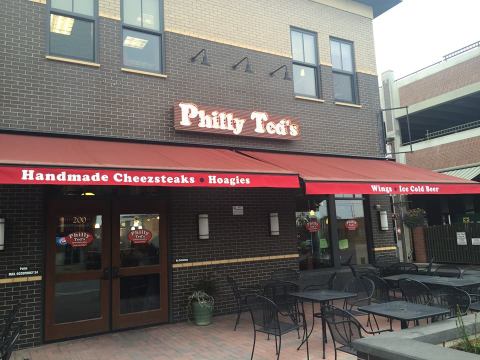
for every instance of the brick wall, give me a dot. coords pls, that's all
(23, 209)
(442, 82)
(454, 154)
(382, 239)
(41, 95)
(231, 237)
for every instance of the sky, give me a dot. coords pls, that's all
(417, 33)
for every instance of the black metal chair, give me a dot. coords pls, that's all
(6, 347)
(448, 270)
(364, 288)
(240, 295)
(415, 292)
(344, 329)
(285, 275)
(400, 268)
(458, 301)
(8, 322)
(267, 318)
(381, 293)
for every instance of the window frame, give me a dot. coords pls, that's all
(160, 33)
(93, 19)
(315, 67)
(352, 74)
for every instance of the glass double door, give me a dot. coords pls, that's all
(106, 266)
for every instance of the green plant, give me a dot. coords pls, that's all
(202, 298)
(468, 342)
(414, 217)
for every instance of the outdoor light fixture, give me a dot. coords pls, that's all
(2, 234)
(203, 231)
(204, 59)
(274, 224)
(286, 76)
(383, 220)
(248, 67)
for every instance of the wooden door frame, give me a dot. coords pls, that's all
(55, 208)
(141, 206)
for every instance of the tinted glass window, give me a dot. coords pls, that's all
(65, 5)
(151, 13)
(297, 46)
(347, 60)
(304, 80)
(72, 37)
(84, 7)
(141, 50)
(132, 12)
(336, 55)
(309, 48)
(343, 88)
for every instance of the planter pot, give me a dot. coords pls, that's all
(419, 244)
(202, 314)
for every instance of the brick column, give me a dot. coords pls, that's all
(419, 244)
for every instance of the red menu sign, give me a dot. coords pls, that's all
(351, 225)
(218, 120)
(79, 239)
(140, 236)
(313, 226)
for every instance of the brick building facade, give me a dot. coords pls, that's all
(43, 94)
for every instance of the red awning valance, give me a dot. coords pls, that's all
(343, 175)
(26, 159)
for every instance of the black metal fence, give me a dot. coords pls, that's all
(453, 243)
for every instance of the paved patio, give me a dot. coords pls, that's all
(183, 341)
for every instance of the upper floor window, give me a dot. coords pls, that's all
(344, 82)
(305, 63)
(142, 34)
(72, 29)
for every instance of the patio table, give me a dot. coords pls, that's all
(323, 297)
(403, 311)
(436, 280)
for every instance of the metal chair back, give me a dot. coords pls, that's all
(448, 270)
(344, 328)
(363, 287)
(8, 322)
(456, 300)
(415, 292)
(6, 347)
(279, 293)
(381, 294)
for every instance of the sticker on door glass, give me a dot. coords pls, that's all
(140, 236)
(79, 239)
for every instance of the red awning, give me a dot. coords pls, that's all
(344, 175)
(26, 159)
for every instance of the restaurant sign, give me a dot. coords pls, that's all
(140, 236)
(351, 225)
(128, 177)
(313, 226)
(217, 120)
(79, 239)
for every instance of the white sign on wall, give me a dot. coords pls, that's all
(237, 210)
(461, 238)
(475, 241)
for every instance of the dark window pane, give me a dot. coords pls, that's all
(77, 300)
(151, 14)
(347, 59)
(84, 7)
(297, 46)
(309, 48)
(71, 37)
(65, 5)
(139, 293)
(132, 12)
(336, 55)
(141, 50)
(304, 80)
(78, 241)
(343, 87)
(139, 239)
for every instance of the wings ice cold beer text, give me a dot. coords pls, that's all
(407, 189)
(193, 115)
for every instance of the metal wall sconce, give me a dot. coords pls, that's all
(286, 76)
(204, 59)
(203, 230)
(248, 67)
(2, 234)
(274, 224)
(383, 217)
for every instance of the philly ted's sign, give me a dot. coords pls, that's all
(216, 120)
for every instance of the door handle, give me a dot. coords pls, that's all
(106, 274)
(115, 273)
